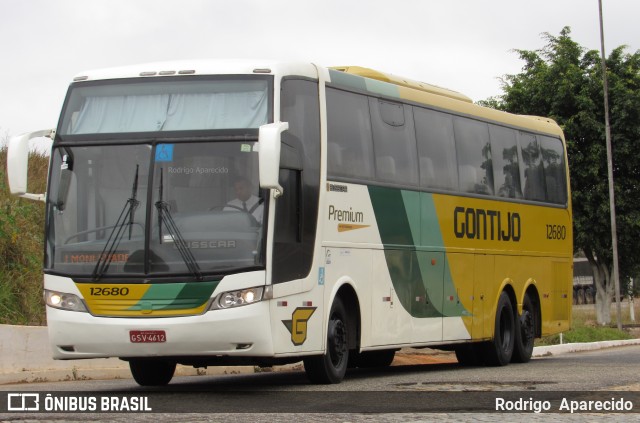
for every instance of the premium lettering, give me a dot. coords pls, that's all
(345, 215)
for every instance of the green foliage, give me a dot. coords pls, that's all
(564, 81)
(21, 247)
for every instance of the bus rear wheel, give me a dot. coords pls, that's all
(152, 372)
(498, 351)
(525, 332)
(332, 366)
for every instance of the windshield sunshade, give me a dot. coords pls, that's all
(166, 105)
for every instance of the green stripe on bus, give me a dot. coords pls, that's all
(176, 296)
(346, 80)
(407, 222)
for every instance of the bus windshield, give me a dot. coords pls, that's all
(172, 208)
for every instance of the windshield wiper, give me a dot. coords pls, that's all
(164, 216)
(126, 217)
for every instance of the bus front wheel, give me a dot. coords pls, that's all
(498, 351)
(332, 366)
(152, 372)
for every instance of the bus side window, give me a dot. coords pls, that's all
(474, 156)
(554, 170)
(506, 169)
(349, 135)
(288, 258)
(531, 169)
(436, 149)
(394, 142)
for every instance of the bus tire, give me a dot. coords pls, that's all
(332, 365)
(525, 332)
(499, 350)
(152, 372)
(373, 359)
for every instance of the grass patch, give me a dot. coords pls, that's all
(585, 329)
(21, 247)
(585, 334)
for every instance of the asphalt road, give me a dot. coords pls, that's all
(398, 393)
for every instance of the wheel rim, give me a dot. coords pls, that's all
(526, 326)
(337, 341)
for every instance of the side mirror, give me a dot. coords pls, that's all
(269, 155)
(18, 163)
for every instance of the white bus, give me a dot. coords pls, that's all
(223, 212)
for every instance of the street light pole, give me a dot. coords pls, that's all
(614, 231)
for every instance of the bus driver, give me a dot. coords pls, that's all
(246, 201)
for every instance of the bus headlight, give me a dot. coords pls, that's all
(238, 298)
(64, 301)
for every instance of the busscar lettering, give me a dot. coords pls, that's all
(345, 215)
(209, 244)
(486, 225)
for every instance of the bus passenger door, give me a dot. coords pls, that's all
(390, 299)
(427, 297)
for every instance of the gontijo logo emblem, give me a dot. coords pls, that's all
(297, 326)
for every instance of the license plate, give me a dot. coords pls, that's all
(147, 336)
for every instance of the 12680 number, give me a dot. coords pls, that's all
(556, 232)
(109, 291)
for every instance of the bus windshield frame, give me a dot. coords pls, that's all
(157, 203)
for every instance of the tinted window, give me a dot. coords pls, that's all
(506, 172)
(297, 210)
(554, 170)
(531, 169)
(349, 135)
(436, 149)
(394, 142)
(475, 171)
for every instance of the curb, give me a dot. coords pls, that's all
(551, 350)
(25, 357)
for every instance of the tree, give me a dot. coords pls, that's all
(563, 81)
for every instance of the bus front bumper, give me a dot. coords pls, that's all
(242, 332)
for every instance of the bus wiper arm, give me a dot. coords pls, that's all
(111, 246)
(164, 216)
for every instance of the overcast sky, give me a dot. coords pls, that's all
(465, 45)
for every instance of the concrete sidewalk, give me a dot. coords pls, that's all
(25, 356)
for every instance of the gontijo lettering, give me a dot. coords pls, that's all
(486, 224)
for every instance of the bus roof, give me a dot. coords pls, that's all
(354, 77)
(405, 82)
(200, 67)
